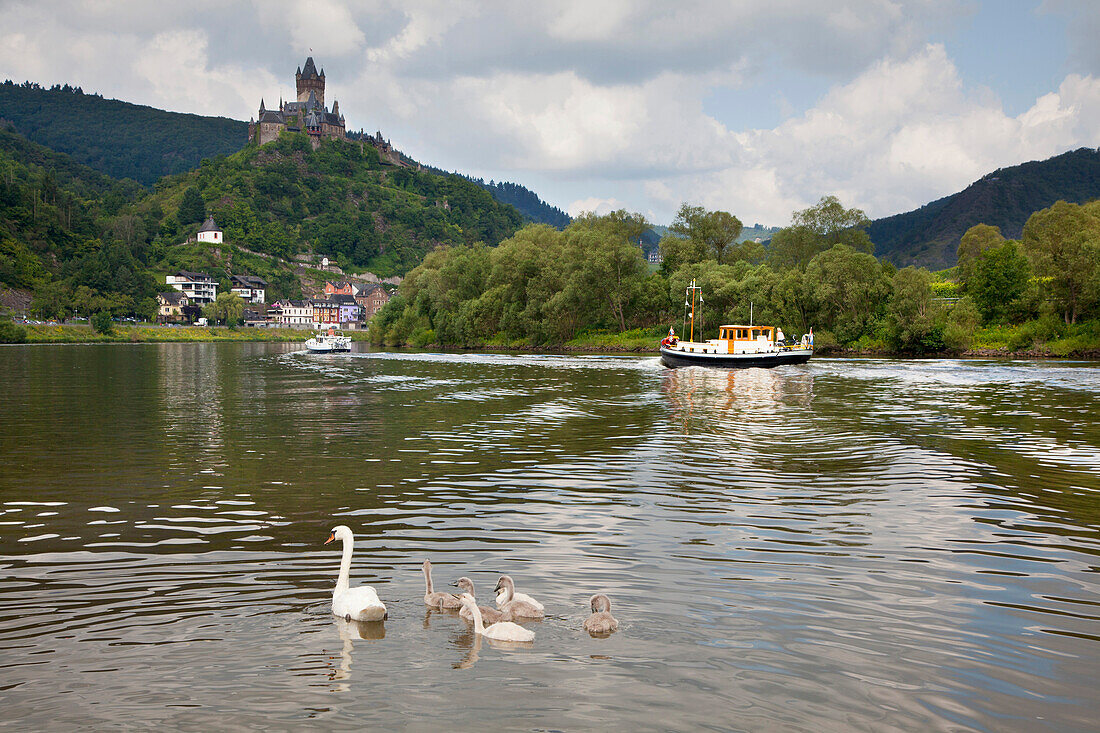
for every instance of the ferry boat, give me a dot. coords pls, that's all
(737, 346)
(327, 343)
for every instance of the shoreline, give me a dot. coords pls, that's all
(83, 334)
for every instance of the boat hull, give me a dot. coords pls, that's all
(673, 358)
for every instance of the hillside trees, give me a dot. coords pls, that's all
(192, 208)
(1063, 243)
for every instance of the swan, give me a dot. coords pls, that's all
(601, 621)
(437, 600)
(502, 631)
(502, 596)
(515, 606)
(490, 615)
(353, 604)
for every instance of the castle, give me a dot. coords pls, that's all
(308, 114)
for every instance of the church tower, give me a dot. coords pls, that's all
(308, 80)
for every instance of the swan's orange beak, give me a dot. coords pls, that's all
(331, 537)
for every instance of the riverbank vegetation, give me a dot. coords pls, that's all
(589, 285)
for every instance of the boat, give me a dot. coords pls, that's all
(737, 346)
(328, 343)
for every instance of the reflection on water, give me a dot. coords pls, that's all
(849, 544)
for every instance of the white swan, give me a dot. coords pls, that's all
(502, 596)
(502, 631)
(353, 604)
(601, 621)
(490, 615)
(434, 599)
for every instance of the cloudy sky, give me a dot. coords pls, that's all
(751, 106)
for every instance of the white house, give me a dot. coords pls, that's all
(250, 288)
(292, 313)
(200, 287)
(209, 232)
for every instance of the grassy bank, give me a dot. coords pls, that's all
(148, 333)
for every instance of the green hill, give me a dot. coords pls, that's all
(62, 221)
(341, 201)
(120, 139)
(83, 241)
(1005, 198)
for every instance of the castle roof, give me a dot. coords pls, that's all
(209, 226)
(271, 116)
(310, 70)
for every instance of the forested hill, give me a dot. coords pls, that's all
(127, 140)
(120, 139)
(1005, 198)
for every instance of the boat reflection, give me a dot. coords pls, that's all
(703, 393)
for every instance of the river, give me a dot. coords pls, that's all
(850, 544)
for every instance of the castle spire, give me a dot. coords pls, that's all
(261, 106)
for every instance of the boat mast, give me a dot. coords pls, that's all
(689, 299)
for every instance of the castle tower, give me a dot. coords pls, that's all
(308, 80)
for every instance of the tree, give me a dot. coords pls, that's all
(834, 224)
(977, 239)
(1063, 243)
(850, 290)
(192, 207)
(913, 322)
(815, 230)
(228, 308)
(611, 264)
(711, 231)
(998, 279)
(102, 323)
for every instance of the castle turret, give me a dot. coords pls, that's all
(308, 80)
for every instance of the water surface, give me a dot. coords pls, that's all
(845, 545)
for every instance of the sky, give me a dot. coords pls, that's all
(756, 108)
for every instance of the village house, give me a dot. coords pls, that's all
(342, 288)
(325, 313)
(250, 288)
(291, 313)
(170, 306)
(351, 313)
(209, 232)
(200, 287)
(371, 297)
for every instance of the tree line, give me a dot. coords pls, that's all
(544, 286)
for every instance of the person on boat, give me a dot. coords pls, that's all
(671, 339)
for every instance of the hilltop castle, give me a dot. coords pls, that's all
(308, 114)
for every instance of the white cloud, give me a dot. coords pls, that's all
(605, 103)
(596, 205)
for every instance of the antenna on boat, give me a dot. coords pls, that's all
(689, 300)
(750, 313)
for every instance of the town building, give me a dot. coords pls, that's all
(351, 313)
(209, 232)
(170, 306)
(307, 114)
(325, 313)
(341, 288)
(371, 297)
(291, 313)
(250, 288)
(200, 287)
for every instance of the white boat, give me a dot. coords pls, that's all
(327, 343)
